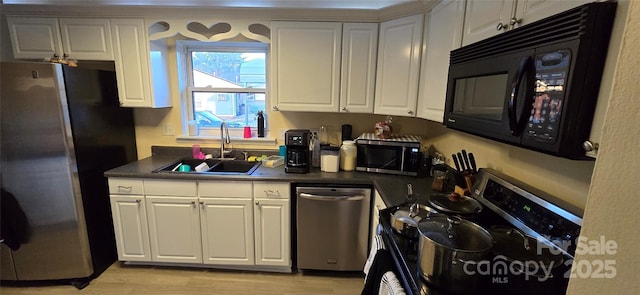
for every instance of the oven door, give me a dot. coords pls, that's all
(491, 97)
(388, 158)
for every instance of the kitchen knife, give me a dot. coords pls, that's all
(455, 161)
(462, 167)
(466, 159)
(472, 159)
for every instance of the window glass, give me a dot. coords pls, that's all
(226, 84)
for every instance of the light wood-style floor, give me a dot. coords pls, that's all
(124, 279)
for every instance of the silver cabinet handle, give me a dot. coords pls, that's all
(344, 109)
(275, 108)
(501, 27)
(270, 192)
(125, 188)
(410, 112)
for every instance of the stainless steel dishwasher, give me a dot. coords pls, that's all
(332, 227)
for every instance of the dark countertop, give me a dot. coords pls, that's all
(392, 188)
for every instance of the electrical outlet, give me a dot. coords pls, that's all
(168, 129)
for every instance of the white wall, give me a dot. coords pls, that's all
(613, 207)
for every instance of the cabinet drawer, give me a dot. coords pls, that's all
(225, 189)
(163, 187)
(271, 190)
(126, 186)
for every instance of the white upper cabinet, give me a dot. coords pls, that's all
(443, 31)
(140, 66)
(77, 38)
(398, 66)
(484, 19)
(305, 66)
(358, 78)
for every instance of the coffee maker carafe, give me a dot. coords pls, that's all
(297, 159)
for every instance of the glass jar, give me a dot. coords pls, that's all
(348, 153)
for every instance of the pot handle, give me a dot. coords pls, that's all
(452, 221)
(524, 238)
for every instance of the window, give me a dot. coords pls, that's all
(226, 82)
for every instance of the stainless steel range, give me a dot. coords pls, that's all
(521, 219)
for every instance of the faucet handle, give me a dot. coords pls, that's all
(246, 155)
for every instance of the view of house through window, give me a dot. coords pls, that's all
(226, 83)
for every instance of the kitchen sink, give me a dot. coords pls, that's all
(216, 166)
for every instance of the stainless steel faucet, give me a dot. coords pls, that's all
(224, 139)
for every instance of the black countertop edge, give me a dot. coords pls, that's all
(392, 188)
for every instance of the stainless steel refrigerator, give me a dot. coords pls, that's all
(62, 127)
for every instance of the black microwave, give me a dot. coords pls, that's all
(399, 154)
(535, 86)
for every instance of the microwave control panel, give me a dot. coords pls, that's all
(551, 75)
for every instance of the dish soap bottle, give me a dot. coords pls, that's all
(260, 124)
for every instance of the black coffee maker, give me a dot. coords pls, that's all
(298, 156)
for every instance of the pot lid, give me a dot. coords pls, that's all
(455, 233)
(516, 246)
(455, 203)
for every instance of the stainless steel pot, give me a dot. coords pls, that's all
(449, 249)
(405, 218)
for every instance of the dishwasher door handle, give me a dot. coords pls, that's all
(331, 198)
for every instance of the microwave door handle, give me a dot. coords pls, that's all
(526, 68)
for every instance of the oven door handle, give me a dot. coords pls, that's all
(516, 125)
(331, 198)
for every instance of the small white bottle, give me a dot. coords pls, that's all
(348, 155)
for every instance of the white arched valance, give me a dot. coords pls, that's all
(209, 30)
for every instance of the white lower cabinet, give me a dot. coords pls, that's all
(227, 231)
(174, 229)
(174, 220)
(234, 223)
(130, 224)
(129, 219)
(272, 223)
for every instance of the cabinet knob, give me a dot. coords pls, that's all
(514, 21)
(344, 109)
(590, 146)
(501, 27)
(138, 201)
(275, 108)
(257, 203)
(410, 112)
(193, 203)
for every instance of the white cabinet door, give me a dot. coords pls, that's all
(34, 37)
(529, 11)
(305, 66)
(227, 231)
(174, 229)
(86, 38)
(132, 55)
(398, 66)
(77, 38)
(443, 31)
(482, 18)
(378, 204)
(272, 224)
(359, 53)
(130, 225)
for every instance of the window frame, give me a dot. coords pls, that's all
(185, 49)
